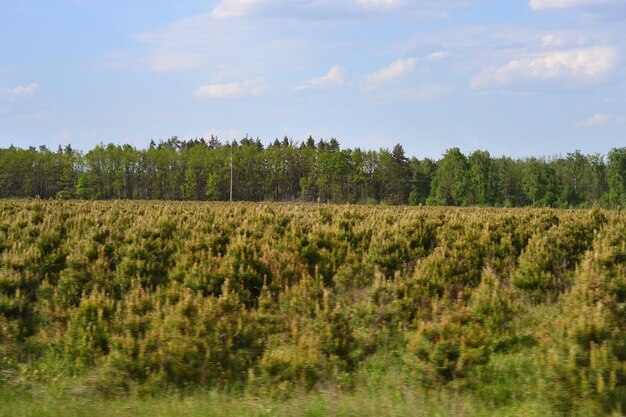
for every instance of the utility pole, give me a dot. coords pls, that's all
(231, 172)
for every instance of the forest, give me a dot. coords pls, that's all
(311, 171)
(263, 309)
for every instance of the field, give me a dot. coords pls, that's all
(183, 308)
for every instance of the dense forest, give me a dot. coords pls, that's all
(319, 171)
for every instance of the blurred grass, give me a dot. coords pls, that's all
(317, 404)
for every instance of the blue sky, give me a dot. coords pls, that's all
(527, 77)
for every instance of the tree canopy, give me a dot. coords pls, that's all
(315, 171)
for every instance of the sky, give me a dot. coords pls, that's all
(513, 77)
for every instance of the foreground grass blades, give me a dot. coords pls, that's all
(320, 404)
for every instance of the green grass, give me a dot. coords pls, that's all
(318, 404)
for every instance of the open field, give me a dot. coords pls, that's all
(181, 308)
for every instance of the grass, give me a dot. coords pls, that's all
(318, 404)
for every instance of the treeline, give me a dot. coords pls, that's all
(319, 171)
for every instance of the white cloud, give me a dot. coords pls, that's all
(216, 40)
(30, 89)
(438, 56)
(600, 119)
(27, 90)
(235, 89)
(335, 77)
(552, 41)
(394, 71)
(216, 46)
(566, 4)
(576, 65)
(596, 120)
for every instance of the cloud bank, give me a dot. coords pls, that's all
(26, 90)
(335, 77)
(600, 119)
(555, 68)
(396, 70)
